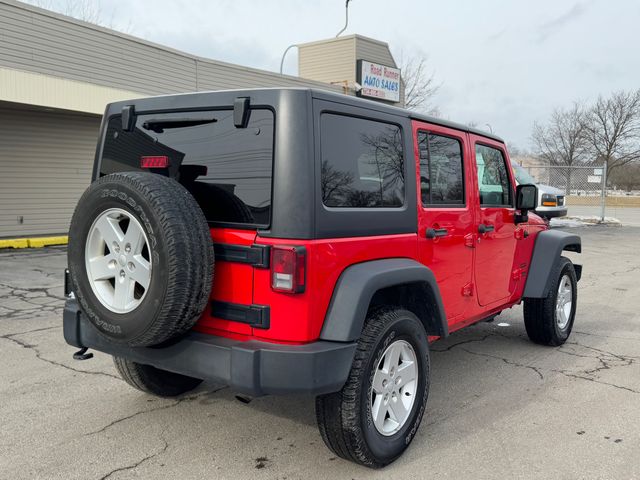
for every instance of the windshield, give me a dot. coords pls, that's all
(522, 176)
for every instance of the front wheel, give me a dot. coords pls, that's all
(372, 420)
(549, 320)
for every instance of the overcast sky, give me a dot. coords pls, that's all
(502, 62)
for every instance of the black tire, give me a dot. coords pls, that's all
(540, 313)
(345, 418)
(152, 380)
(181, 254)
(220, 204)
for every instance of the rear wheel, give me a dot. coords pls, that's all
(549, 320)
(372, 420)
(152, 380)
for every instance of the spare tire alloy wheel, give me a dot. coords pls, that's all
(140, 258)
(118, 260)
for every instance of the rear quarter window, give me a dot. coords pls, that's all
(362, 163)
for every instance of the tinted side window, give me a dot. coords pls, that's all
(362, 163)
(493, 179)
(441, 171)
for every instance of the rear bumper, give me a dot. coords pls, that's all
(253, 368)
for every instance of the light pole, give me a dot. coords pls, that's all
(346, 18)
(346, 23)
(490, 129)
(284, 54)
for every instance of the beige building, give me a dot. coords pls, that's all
(335, 61)
(57, 74)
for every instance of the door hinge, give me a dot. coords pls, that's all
(467, 290)
(470, 240)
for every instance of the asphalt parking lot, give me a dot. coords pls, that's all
(500, 406)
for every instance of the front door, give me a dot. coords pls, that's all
(445, 215)
(495, 247)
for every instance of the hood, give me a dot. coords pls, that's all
(548, 189)
(535, 219)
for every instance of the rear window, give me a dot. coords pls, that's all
(227, 169)
(362, 163)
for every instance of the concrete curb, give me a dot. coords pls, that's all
(33, 242)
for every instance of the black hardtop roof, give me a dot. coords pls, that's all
(384, 108)
(323, 95)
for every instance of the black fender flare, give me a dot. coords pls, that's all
(546, 253)
(357, 285)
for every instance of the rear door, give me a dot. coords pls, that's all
(445, 215)
(229, 171)
(495, 247)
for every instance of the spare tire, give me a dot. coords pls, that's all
(140, 258)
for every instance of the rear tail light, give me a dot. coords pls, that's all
(288, 269)
(156, 161)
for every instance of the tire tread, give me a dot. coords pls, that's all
(539, 313)
(186, 236)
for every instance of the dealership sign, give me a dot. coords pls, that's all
(378, 81)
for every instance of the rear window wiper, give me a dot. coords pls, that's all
(158, 125)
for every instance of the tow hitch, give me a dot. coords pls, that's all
(82, 354)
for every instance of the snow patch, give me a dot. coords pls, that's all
(584, 221)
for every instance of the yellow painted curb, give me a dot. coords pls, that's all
(14, 243)
(34, 242)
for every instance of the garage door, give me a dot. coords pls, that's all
(46, 159)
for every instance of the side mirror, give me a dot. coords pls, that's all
(526, 199)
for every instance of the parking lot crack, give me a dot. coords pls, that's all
(464, 342)
(31, 298)
(606, 336)
(52, 362)
(606, 361)
(162, 407)
(140, 462)
(606, 352)
(508, 362)
(628, 270)
(30, 331)
(596, 380)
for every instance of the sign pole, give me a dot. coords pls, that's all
(603, 193)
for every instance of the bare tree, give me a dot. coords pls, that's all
(563, 140)
(626, 177)
(419, 84)
(614, 129)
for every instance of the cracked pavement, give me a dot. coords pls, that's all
(499, 407)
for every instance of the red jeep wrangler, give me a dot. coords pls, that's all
(346, 236)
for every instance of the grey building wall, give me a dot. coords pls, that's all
(45, 165)
(37, 40)
(46, 156)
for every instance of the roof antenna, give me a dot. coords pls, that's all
(346, 18)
